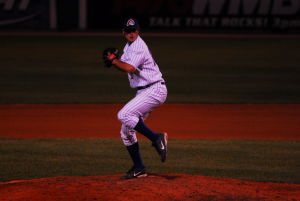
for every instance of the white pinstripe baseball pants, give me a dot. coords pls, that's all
(145, 101)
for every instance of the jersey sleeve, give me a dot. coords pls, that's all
(134, 58)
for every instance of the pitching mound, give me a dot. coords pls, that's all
(154, 187)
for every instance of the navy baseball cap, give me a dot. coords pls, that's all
(130, 25)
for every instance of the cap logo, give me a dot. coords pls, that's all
(130, 22)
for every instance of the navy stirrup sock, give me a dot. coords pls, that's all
(134, 152)
(144, 130)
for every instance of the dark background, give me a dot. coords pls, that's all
(108, 15)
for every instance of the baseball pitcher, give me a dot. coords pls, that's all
(144, 76)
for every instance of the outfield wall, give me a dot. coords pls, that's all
(163, 15)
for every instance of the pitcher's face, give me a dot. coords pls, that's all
(131, 36)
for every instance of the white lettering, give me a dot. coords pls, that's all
(244, 22)
(201, 22)
(8, 4)
(282, 7)
(24, 4)
(165, 22)
(284, 24)
(249, 7)
(214, 6)
(246, 7)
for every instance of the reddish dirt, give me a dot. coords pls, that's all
(155, 187)
(181, 121)
(195, 121)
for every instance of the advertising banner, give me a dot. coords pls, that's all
(279, 15)
(20, 14)
(181, 15)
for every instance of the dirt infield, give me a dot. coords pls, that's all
(155, 187)
(195, 121)
(181, 121)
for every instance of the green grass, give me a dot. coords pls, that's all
(275, 161)
(49, 69)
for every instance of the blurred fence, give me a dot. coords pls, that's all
(162, 15)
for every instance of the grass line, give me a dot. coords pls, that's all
(276, 161)
(54, 69)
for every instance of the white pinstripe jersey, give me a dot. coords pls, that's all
(138, 55)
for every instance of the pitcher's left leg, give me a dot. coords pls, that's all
(130, 141)
(133, 113)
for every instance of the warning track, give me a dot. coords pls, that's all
(181, 121)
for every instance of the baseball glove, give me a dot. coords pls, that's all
(110, 54)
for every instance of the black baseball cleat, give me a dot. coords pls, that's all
(134, 173)
(161, 146)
